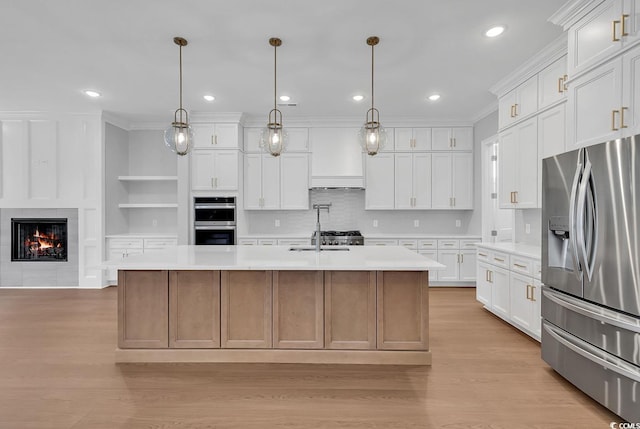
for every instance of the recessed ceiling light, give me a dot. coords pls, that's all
(92, 93)
(358, 97)
(434, 97)
(209, 97)
(285, 98)
(494, 31)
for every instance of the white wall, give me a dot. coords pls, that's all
(55, 161)
(531, 217)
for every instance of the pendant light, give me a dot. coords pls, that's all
(178, 136)
(273, 137)
(372, 135)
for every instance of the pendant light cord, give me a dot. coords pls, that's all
(372, 76)
(180, 83)
(275, 76)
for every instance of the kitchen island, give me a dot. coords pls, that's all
(356, 304)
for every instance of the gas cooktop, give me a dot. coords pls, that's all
(339, 238)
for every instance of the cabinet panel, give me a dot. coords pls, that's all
(194, 309)
(551, 83)
(141, 293)
(246, 309)
(467, 269)
(521, 310)
(402, 310)
(631, 92)
(403, 138)
(350, 310)
(462, 138)
(551, 132)
(403, 181)
(457, 138)
(226, 170)
(412, 139)
(442, 172)
(527, 165)
(380, 180)
(462, 180)
(421, 167)
(449, 258)
(298, 139)
(483, 285)
(507, 169)
(505, 109)
(252, 181)
(431, 254)
(252, 139)
(215, 136)
(298, 316)
(500, 292)
(202, 165)
(536, 323)
(214, 170)
(294, 181)
(270, 182)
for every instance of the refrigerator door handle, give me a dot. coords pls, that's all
(593, 354)
(572, 216)
(585, 256)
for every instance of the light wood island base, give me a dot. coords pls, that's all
(273, 316)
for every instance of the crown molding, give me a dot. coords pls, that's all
(40, 115)
(572, 11)
(356, 121)
(149, 125)
(550, 53)
(198, 117)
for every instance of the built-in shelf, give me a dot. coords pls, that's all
(148, 206)
(147, 178)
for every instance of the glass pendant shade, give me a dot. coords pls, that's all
(179, 136)
(372, 135)
(273, 138)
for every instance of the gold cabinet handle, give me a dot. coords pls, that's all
(515, 109)
(498, 259)
(622, 20)
(622, 124)
(454, 201)
(533, 298)
(564, 84)
(486, 275)
(490, 276)
(560, 82)
(528, 293)
(455, 142)
(458, 257)
(519, 266)
(482, 254)
(462, 258)
(613, 120)
(515, 197)
(511, 113)
(614, 37)
(511, 197)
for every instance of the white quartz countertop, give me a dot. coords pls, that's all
(520, 249)
(387, 258)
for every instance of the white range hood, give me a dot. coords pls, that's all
(337, 158)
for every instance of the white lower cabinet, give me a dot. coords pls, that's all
(449, 258)
(500, 291)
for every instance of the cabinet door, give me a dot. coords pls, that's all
(500, 292)
(631, 93)
(536, 323)
(450, 258)
(403, 310)
(421, 164)
(520, 304)
(252, 139)
(380, 180)
(298, 309)
(462, 180)
(507, 153)
(441, 173)
(350, 309)
(294, 181)
(203, 135)
(462, 138)
(467, 270)
(226, 170)
(422, 139)
(551, 137)
(593, 106)
(483, 285)
(431, 254)
(403, 139)
(270, 182)
(245, 309)
(527, 165)
(226, 136)
(527, 98)
(551, 83)
(194, 309)
(591, 40)
(252, 181)
(403, 181)
(202, 170)
(298, 139)
(506, 104)
(141, 294)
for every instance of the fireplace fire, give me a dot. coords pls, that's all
(38, 239)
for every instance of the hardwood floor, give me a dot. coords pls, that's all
(57, 371)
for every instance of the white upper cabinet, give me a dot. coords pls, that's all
(412, 139)
(276, 183)
(518, 164)
(294, 181)
(630, 105)
(552, 83)
(297, 139)
(379, 179)
(457, 138)
(551, 137)
(518, 103)
(452, 178)
(215, 136)
(214, 170)
(601, 33)
(412, 180)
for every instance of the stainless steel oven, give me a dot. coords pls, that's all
(214, 220)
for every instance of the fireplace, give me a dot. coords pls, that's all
(39, 239)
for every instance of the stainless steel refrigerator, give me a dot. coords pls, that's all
(591, 271)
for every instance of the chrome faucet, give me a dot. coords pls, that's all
(319, 207)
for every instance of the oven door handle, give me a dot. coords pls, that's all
(214, 206)
(210, 228)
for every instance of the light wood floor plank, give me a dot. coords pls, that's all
(57, 371)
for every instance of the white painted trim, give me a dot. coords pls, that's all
(572, 12)
(349, 122)
(235, 117)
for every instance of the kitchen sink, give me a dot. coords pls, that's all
(313, 249)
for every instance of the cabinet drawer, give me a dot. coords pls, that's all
(126, 243)
(500, 259)
(159, 243)
(409, 244)
(484, 255)
(427, 244)
(380, 242)
(521, 265)
(448, 244)
(468, 244)
(268, 242)
(294, 242)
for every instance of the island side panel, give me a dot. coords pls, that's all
(143, 309)
(350, 310)
(298, 309)
(194, 309)
(246, 309)
(403, 310)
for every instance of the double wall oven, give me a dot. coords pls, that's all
(214, 220)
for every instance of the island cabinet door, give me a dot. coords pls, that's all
(298, 310)
(403, 310)
(245, 309)
(143, 309)
(350, 310)
(194, 309)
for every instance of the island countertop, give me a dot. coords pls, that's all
(189, 257)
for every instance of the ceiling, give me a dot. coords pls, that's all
(53, 50)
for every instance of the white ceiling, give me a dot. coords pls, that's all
(52, 50)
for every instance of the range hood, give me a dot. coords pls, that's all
(337, 159)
